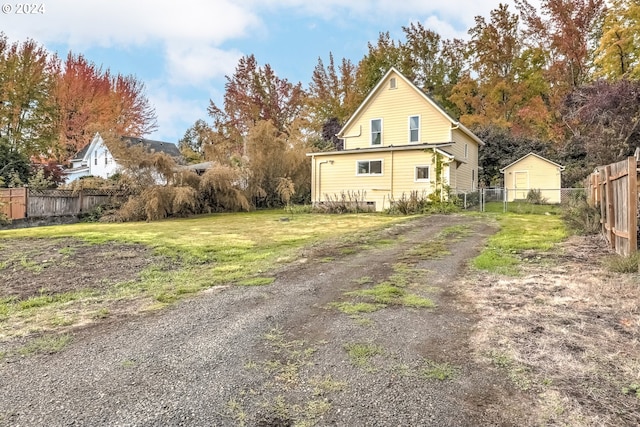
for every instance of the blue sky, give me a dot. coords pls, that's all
(182, 50)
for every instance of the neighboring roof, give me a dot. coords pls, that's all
(80, 154)
(387, 148)
(149, 144)
(531, 154)
(198, 167)
(437, 106)
(154, 146)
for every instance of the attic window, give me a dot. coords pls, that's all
(392, 83)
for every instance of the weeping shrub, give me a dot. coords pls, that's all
(221, 189)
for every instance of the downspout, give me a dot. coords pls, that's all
(320, 178)
(391, 178)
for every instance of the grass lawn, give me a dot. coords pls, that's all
(536, 230)
(237, 248)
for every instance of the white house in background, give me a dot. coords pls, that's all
(95, 159)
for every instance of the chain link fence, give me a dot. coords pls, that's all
(496, 199)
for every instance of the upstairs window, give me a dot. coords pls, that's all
(376, 132)
(95, 157)
(369, 167)
(466, 150)
(392, 83)
(414, 129)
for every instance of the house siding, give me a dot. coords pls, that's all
(404, 102)
(466, 175)
(335, 174)
(540, 174)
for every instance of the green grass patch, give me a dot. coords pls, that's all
(257, 281)
(495, 261)
(362, 353)
(364, 280)
(68, 251)
(437, 371)
(412, 300)
(46, 300)
(455, 231)
(522, 208)
(385, 293)
(519, 233)
(48, 344)
(356, 307)
(433, 249)
(31, 265)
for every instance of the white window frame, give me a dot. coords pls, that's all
(415, 173)
(409, 125)
(371, 132)
(369, 173)
(393, 84)
(466, 150)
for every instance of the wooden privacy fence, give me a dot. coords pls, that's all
(614, 188)
(19, 203)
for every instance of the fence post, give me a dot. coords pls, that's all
(609, 207)
(633, 204)
(26, 201)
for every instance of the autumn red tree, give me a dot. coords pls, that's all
(252, 94)
(90, 99)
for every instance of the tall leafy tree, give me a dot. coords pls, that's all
(382, 55)
(332, 92)
(566, 31)
(435, 65)
(618, 53)
(90, 99)
(604, 119)
(492, 96)
(27, 110)
(254, 94)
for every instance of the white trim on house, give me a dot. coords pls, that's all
(535, 155)
(415, 175)
(417, 141)
(369, 168)
(381, 144)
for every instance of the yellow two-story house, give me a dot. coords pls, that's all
(391, 144)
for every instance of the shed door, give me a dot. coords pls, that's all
(521, 181)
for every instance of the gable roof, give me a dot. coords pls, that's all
(149, 144)
(154, 146)
(80, 154)
(531, 154)
(426, 97)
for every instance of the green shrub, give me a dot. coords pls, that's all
(623, 264)
(535, 197)
(580, 217)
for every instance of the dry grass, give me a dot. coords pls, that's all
(567, 330)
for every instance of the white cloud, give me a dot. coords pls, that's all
(124, 22)
(175, 114)
(194, 65)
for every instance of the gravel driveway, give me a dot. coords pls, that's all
(284, 354)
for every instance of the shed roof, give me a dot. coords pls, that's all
(535, 155)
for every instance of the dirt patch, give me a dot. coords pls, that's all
(568, 330)
(34, 267)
